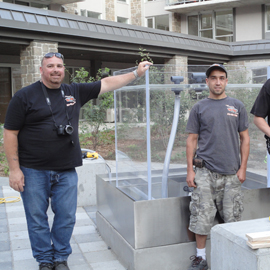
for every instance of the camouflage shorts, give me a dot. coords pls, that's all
(214, 192)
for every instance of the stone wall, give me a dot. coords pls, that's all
(176, 22)
(136, 12)
(70, 8)
(178, 66)
(110, 10)
(30, 60)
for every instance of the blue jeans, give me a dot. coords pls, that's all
(61, 186)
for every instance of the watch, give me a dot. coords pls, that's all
(135, 73)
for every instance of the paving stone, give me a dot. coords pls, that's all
(23, 254)
(18, 235)
(94, 246)
(90, 208)
(76, 259)
(100, 256)
(6, 266)
(84, 238)
(4, 236)
(4, 246)
(75, 248)
(30, 264)
(84, 229)
(80, 267)
(84, 222)
(18, 244)
(3, 225)
(5, 256)
(82, 215)
(110, 265)
(17, 227)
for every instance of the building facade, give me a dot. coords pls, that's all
(108, 33)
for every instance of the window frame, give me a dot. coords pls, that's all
(214, 27)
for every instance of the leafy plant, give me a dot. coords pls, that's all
(3, 159)
(94, 112)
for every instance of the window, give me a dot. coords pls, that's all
(122, 20)
(259, 75)
(216, 25)
(193, 27)
(267, 17)
(90, 14)
(36, 4)
(206, 25)
(224, 25)
(159, 22)
(5, 93)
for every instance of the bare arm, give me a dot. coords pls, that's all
(116, 82)
(244, 152)
(191, 147)
(16, 177)
(262, 125)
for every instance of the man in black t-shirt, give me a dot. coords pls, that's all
(261, 109)
(42, 147)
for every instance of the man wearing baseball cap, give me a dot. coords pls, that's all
(214, 167)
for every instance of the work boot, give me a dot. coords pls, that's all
(46, 266)
(61, 266)
(198, 263)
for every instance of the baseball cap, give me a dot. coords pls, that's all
(213, 67)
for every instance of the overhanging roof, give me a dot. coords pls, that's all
(20, 25)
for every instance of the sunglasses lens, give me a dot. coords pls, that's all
(51, 54)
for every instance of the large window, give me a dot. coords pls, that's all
(267, 17)
(35, 4)
(5, 91)
(90, 14)
(159, 22)
(224, 25)
(122, 20)
(216, 25)
(206, 25)
(259, 75)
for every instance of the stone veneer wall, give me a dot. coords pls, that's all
(248, 65)
(71, 8)
(176, 22)
(110, 10)
(136, 12)
(178, 66)
(31, 58)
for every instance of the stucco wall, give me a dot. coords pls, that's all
(248, 23)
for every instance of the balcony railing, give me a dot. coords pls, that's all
(179, 2)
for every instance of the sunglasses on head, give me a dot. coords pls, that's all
(52, 54)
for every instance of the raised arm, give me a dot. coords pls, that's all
(16, 177)
(244, 152)
(116, 82)
(191, 147)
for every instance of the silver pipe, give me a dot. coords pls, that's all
(170, 146)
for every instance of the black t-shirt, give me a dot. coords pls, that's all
(40, 147)
(261, 107)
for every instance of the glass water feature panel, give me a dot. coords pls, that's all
(147, 156)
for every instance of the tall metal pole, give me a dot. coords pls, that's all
(148, 135)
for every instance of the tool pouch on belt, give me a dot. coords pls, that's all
(267, 143)
(198, 162)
